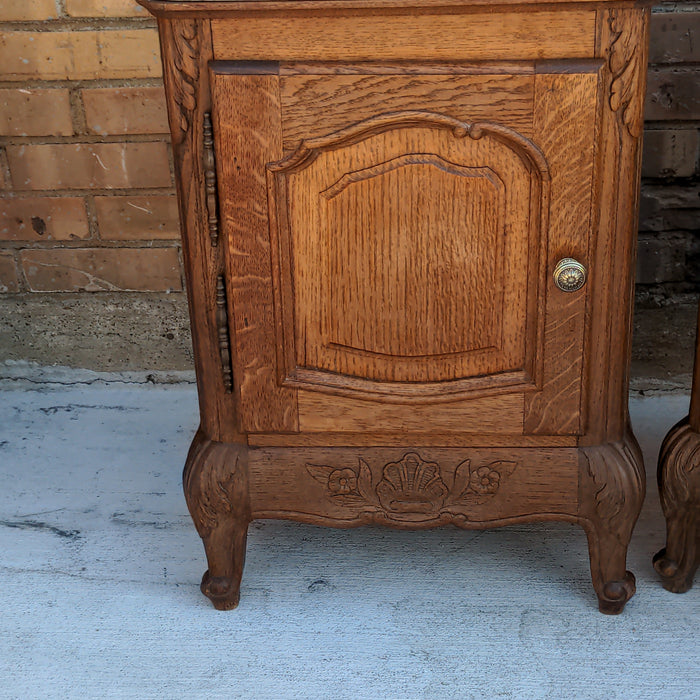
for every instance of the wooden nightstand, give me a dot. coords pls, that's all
(409, 233)
(679, 488)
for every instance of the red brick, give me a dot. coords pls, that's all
(87, 166)
(673, 94)
(102, 269)
(8, 274)
(670, 152)
(43, 219)
(31, 112)
(27, 10)
(138, 218)
(126, 110)
(675, 37)
(104, 8)
(87, 55)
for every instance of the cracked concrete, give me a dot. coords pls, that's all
(101, 565)
(102, 332)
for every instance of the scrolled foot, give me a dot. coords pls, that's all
(616, 594)
(673, 577)
(224, 593)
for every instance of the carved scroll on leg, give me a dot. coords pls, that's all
(216, 489)
(679, 488)
(612, 486)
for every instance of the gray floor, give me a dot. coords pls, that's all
(100, 566)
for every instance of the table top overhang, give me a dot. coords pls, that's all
(221, 8)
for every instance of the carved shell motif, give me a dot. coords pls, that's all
(412, 488)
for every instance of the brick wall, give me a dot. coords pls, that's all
(669, 230)
(85, 163)
(86, 184)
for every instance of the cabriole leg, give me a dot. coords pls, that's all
(679, 488)
(216, 488)
(612, 491)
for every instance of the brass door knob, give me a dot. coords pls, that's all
(569, 275)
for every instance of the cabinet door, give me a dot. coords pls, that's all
(391, 238)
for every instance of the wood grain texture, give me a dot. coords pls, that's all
(397, 67)
(542, 34)
(506, 485)
(565, 107)
(497, 414)
(248, 135)
(398, 273)
(387, 438)
(231, 8)
(317, 104)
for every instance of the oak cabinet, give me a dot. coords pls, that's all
(409, 235)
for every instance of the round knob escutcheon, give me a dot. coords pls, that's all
(569, 275)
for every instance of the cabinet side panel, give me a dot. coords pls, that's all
(482, 36)
(565, 111)
(623, 42)
(248, 136)
(186, 49)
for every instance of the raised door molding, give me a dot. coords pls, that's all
(445, 219)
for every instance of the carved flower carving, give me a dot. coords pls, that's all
(412, 489)
(342, 482)
(484, 480)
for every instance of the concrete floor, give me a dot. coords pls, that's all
(100, 569)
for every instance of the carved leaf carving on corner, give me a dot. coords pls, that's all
(626, 73)
(216, 498)
(365, 483)
(186, 59)
(618, 483)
